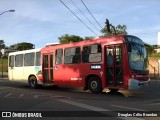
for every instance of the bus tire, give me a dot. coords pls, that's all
(33, 82)
(94, 84)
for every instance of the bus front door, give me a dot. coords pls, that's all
(114, 67)
(47, 68)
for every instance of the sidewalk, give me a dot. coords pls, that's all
(5, 76)
(154, 80)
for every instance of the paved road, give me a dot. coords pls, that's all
(68, 103)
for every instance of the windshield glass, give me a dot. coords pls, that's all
(137, 54)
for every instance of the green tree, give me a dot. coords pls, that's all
(150, 50)
(22, 46)
(88, 37)
(119, 29)
(2, 45)
(69, 38)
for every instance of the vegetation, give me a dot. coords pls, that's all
(22, 46)
(5, 65)
(108, 30)
(154, 55)
(119, 30)
(69, 38)
(2, 45)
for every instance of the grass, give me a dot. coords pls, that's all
(154, 55)
(5, 64)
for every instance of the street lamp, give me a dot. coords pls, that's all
(7, 11)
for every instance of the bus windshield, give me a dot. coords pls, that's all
(137, 54)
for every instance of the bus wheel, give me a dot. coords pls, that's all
(95, 85)
(33, 82)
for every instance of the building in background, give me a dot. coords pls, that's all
(157, 48)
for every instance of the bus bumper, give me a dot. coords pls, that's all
(136, 84)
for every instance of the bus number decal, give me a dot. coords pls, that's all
(95, 67)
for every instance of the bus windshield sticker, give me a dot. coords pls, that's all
(95, 67)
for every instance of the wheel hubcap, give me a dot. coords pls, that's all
(94, 84)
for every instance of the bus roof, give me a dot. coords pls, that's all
(25, 51)
(104, 40)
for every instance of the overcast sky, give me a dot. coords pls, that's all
(43, 21)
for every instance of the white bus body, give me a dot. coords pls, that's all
(24, 64)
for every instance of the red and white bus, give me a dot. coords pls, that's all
(112, 62)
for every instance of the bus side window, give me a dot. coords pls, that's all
(72, 55)
(59, 54)
(11, 61)
(85, 54)
(19, 60)
(91, 53)
(29, 59)
(38, 58)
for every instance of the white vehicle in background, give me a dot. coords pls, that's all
(25, 66)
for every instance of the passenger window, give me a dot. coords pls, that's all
(19, 60)
(72, 55)
(59, 54)
(92, 53)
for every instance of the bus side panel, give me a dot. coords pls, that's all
(18, 73)
(27, 71)
(75, 75)
(68, 75)
(10, 73)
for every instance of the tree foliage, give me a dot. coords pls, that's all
(2, 45)
(69, 38)
(22, 46)
(150, 50)
(88, 37)
(119, 29)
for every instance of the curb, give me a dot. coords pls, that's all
(155, 81)
(3, 78)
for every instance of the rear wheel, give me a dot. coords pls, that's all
(33, 82)
(95, 85)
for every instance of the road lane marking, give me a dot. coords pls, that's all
(21, 95)
(9, 94)
(98, 109)
(128, 108)
(154, 104)
(93, 108)
(35, 96)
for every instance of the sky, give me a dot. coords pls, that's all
(42, 21)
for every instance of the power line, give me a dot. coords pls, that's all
(77, 17)
(85, 16)
(91, 14)
(144, 33)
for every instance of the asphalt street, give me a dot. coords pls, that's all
(74, 103)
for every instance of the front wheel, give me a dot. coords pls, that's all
(33, 82)
(95, 85)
